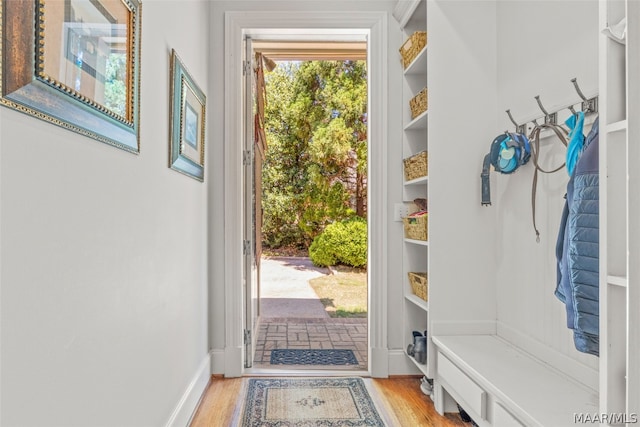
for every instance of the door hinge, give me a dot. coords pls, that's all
(246, 157)
(247, 336)
(246, 67)
(245, 247)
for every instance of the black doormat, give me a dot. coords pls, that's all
(313, 357)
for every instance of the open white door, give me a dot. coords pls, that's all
(249, 245)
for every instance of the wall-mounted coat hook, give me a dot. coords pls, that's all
(573, 110)
(548, 118)
(588, 105)
(519, 128)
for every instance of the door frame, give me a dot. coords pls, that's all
(237, 24)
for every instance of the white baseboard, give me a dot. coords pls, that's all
(379, 362)
(187, 405)
(233, 362)
(399, 364)
(554, 358)
(217, 362)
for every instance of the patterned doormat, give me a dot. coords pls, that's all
(313, 357)
(298, 402)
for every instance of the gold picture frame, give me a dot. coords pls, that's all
(76, 64)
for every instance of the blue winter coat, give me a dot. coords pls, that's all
(577, 249)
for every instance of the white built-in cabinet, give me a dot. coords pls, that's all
(498, 375)
(412, 16)
(620, 212)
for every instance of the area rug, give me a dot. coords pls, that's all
(312, 357)
(303, 402)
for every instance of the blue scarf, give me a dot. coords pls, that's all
(576, 140)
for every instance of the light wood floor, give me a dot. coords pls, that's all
(222, 402)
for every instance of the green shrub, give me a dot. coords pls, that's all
(343, 242)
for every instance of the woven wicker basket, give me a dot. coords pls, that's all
(418, 103)
(419, 285)
(412, 47)
(415, 227)
(416, 166)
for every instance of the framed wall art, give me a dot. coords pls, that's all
(188, 106)
(74, 63)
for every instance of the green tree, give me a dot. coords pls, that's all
(316, 161)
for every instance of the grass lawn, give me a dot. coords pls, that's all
(343, 294)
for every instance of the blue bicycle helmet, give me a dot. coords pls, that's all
(508, 152)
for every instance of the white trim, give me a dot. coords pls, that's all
(217, 361)
(567, 365)
(284, 372)
(399, 364)
(233, 358)
(376, 24)
(403, 11)
(233, 197)
(188, 403)
(378, 360)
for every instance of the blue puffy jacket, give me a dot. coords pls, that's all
(577, 249)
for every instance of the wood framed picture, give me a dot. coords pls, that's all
(75, 63)
(188, 107)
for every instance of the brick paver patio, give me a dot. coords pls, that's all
(311, 333)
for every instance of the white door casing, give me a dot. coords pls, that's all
(237, 25)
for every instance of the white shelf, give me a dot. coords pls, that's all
(418, 123)
(617, 126)
(413, 17)
(417, 242)
(419, 64)
(422, 367)
(617, 281)
(417, 181)
(424, 305)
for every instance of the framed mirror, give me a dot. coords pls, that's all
(76, 64)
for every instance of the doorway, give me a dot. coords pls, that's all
(306, 200)
(304, 26)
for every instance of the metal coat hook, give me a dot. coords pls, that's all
(519, 128)
(548, 118)
(573, 110)
(588, 105)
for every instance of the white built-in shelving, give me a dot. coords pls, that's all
(633, 206)
(412, 16)
(421, 366)
(419, 123)
(617, 281)
(417, 301)
(418, 65)
(619, 126)
(418, 181)
(494, 353)
(416, 242)
(490, 366)
(619, 211)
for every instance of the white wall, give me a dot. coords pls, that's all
(394, 171)
(462, 96)
(104, 255)
(541, 46)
